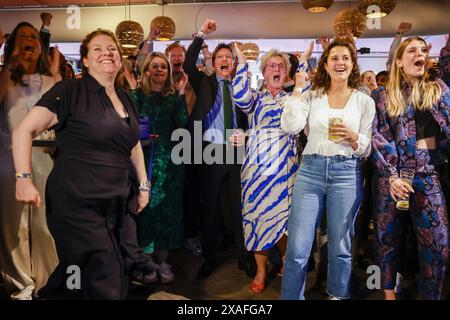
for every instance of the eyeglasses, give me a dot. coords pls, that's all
(274, 66)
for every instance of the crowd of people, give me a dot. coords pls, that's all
(329, 143)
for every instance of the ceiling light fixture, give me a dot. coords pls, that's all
(385, 7)
(317, 6)
(165, 26)
(129, 33)
(349, 19)
(250, 50)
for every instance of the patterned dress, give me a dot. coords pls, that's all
(270, 165)
(160, 225)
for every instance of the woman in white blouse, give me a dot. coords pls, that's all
(339, 120)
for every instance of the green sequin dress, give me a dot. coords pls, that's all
(160, 225)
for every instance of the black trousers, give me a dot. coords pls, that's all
(86, 236)
(216, 178)
(191, 201)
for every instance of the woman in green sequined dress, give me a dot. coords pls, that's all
(160, 225)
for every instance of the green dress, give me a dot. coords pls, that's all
(160, 225)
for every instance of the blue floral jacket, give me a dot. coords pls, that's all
(394, 138)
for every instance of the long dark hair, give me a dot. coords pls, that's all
(322, 79)
(18, 73)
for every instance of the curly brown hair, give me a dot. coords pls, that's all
(322, 79)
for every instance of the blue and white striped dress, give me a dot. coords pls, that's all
(270, 165)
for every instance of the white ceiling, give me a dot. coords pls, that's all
(236, 20)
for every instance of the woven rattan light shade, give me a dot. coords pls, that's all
(317, 6)
(130, 34)
(349, 18)
(166, 27)
(385, 7)
(250, 51)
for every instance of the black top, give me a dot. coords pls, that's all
(93, 142)
(426, 126)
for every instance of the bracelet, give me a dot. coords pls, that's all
(298, 89)
(200, 34)
(145, 185)
(24, 176)
(392, 179)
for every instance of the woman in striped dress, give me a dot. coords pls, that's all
(270, 163)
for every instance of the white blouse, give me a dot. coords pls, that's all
(312, 109)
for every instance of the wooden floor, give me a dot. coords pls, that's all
(229, 283)
(226, 283)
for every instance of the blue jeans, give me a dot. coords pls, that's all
(336, 182)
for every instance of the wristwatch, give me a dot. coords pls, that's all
(26, 175)
(200, 34)
(298, 89)
(145, 185)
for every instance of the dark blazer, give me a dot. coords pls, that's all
(205, 88)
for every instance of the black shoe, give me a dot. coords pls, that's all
(248, 266)
(205, 270)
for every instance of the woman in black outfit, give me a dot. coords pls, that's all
(97, 140)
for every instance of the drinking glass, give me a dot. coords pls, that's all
(332, 120)
(407, 175)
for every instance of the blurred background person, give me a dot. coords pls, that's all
(27, 249)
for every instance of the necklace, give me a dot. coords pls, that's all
(348, 93)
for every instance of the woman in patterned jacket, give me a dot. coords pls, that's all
(270, 163)
(411, 124)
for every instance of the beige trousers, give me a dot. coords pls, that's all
(27, 250)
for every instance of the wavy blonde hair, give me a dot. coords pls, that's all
(146, 85)
(424, 94)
